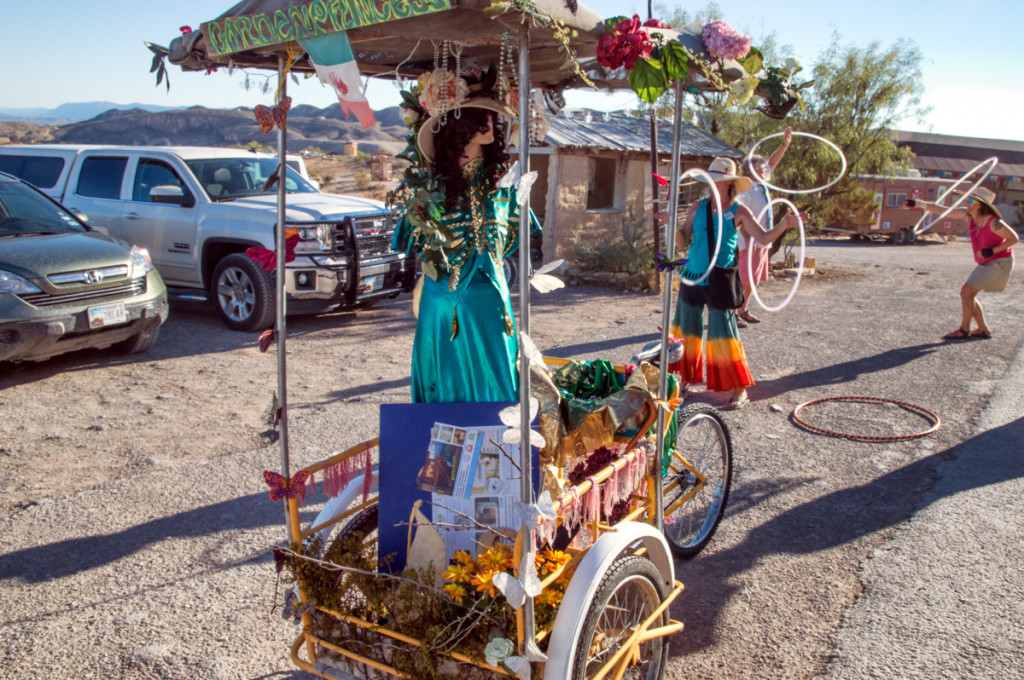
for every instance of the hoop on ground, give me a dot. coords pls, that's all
(993, 160)
(701, 174)
(936, 422)
(842, 159)
(800, 267)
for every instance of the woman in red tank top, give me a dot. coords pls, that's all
(992, 241)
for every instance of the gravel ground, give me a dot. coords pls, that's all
(134, 525)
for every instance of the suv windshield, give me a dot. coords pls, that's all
(227, 178)
(23, 210)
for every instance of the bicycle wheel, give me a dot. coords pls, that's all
(696, 486)
(629, 593)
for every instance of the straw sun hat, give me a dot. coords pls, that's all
(425, 137)
(725, 170)
(986, 197)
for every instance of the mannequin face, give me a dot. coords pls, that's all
(486, 136)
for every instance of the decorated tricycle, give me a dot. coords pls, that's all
(445, 549)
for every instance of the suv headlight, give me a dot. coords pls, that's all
(313, 238)
(141, 262)
(12, 283)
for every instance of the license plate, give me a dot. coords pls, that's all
(107, 315)
(373, 283)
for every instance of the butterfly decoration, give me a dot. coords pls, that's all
(512, 417)
(499, 651)
(543, 281)
(268, 258)
(515, 178)
(282, 487)
(665, 264)
(534, 513)
(267, 338)
(267, 117)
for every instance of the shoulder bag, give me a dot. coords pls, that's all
(724, 288)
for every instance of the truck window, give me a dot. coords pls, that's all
(154, 173)
(41, 171)
(101, 177)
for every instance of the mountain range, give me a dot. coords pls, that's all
(308, 126)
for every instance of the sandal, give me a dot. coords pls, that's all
(749, 318)
(958, 334)
(740, 323)
(737, 403)
(980, 334)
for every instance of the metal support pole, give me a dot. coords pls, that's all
(666, 307)
(525, 458)
(282, 354)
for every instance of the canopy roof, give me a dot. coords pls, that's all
(393, 38)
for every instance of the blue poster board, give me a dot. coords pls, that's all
(407, 440)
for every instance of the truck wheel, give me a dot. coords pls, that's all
(140, 342)
(243, 294)
(900, 237)
(911, 237)
(510, 267)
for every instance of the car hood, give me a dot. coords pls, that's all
(37, 256)
(310, 207)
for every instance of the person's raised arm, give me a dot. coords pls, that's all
(935, 208)
(787, 139)
(752, 228)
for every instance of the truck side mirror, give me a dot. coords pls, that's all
(173, 195)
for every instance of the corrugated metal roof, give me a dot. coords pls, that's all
(961, 165)
(619, 131)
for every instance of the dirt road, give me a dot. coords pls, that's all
(134, 525)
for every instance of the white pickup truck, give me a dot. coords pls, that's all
(197, 210)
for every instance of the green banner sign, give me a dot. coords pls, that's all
(304, 19)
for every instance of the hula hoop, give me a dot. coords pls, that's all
(800, 268)
(753, 171)
(936, 422)
(992, 159)
(697, 172)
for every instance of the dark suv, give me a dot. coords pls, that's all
(65, 286)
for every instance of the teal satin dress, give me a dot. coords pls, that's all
(466, 346)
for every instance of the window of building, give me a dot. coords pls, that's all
(931, 194)
(101, 177)
(605, 186)
(895, 200)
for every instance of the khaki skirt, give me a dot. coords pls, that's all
(991, 277)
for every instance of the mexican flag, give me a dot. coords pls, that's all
(333, 60)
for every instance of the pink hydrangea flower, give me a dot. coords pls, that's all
(443, 91)
(724, 41)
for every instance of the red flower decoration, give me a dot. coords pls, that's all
(661, 180)
(185, 30)
(629, 42)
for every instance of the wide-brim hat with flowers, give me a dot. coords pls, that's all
(444, 95)
(725, 170)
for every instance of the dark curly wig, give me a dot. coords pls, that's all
(451, 141)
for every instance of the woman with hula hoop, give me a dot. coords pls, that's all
(992, 241)
(727, 363)
(756, 199)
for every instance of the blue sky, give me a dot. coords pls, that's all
(971, 66)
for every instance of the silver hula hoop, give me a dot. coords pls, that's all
(800, 268)
(753, 171)
(700, 174)
(991, 160)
